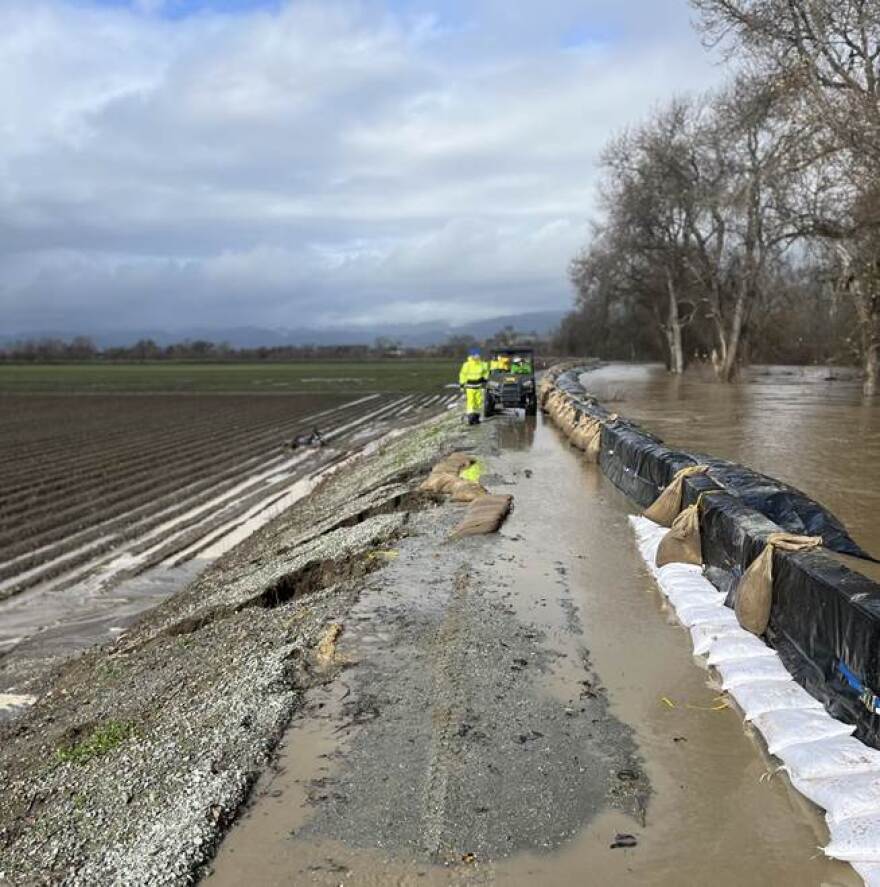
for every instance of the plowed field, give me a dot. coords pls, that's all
(110, 485)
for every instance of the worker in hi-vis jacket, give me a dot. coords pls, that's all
(472, 379)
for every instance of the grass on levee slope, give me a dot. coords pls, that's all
(318, 377)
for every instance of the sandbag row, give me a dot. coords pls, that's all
(823, 619)
(824, 762)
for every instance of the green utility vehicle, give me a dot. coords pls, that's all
(511, 384)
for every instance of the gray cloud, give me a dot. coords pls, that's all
(329, 162)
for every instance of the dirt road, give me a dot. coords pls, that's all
(520, 709)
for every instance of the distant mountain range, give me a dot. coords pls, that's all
(415, 335)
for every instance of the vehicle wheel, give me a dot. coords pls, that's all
(488, 406)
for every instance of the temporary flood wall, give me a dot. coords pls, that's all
(825, 617)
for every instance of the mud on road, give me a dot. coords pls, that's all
(517, 710)
(504, 709)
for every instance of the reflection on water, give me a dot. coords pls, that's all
(806, 426)
(516, 432)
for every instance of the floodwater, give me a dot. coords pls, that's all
(808, 426)
(569, 567)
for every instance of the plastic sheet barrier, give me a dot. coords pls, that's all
(810, 689)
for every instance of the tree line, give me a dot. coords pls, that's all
(84, 349)
(744, 224)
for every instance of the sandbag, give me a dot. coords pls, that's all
(855, 840)
(754, 594)
(453, 463)
(786, 727)
(690, 589)
(757, 698)
(834, 756)
(585, 433)
(699, 614)
(681, 545)
(484, 515)
(594, 448)
(741, 646)
(439, 482)
(845, 796)
(704, 635)
(467, 491)
(667, 505)
(737, 672)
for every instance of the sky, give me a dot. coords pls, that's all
(320, 163)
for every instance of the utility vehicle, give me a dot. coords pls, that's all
(511, 384)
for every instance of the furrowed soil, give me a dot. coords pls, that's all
(112, 502)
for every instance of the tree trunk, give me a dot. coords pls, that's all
(673, 333)
(867, 304)
(872, 365)
(731, 356)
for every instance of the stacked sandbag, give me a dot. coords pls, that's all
(445, 479)
(485, 513)
(582, 430)
(547, 385)
(587, 436)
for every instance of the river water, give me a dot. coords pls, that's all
(807, 426)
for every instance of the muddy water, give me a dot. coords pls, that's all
(567, 565)
(808, 426)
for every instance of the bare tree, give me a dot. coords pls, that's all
(829, 50)
(646, 200)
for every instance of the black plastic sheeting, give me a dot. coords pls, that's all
(823, 613)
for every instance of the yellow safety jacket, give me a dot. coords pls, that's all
(473, 373)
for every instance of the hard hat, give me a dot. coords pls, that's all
(474, 352)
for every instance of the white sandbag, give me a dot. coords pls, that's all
(736, 672)
(706, 633)
(693, 595)
(856, 839)
(795, 726)
(843, 797)
(869, 872)
(740, 646)
(698, 613)
(836, 756)
(755, 699)
(670, 574)
(648, 536)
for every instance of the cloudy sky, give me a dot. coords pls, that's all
(166, 163)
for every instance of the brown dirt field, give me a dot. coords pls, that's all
(84, 475)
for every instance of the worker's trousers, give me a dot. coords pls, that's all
(474, 399)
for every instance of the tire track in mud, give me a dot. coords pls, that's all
(445, 715)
